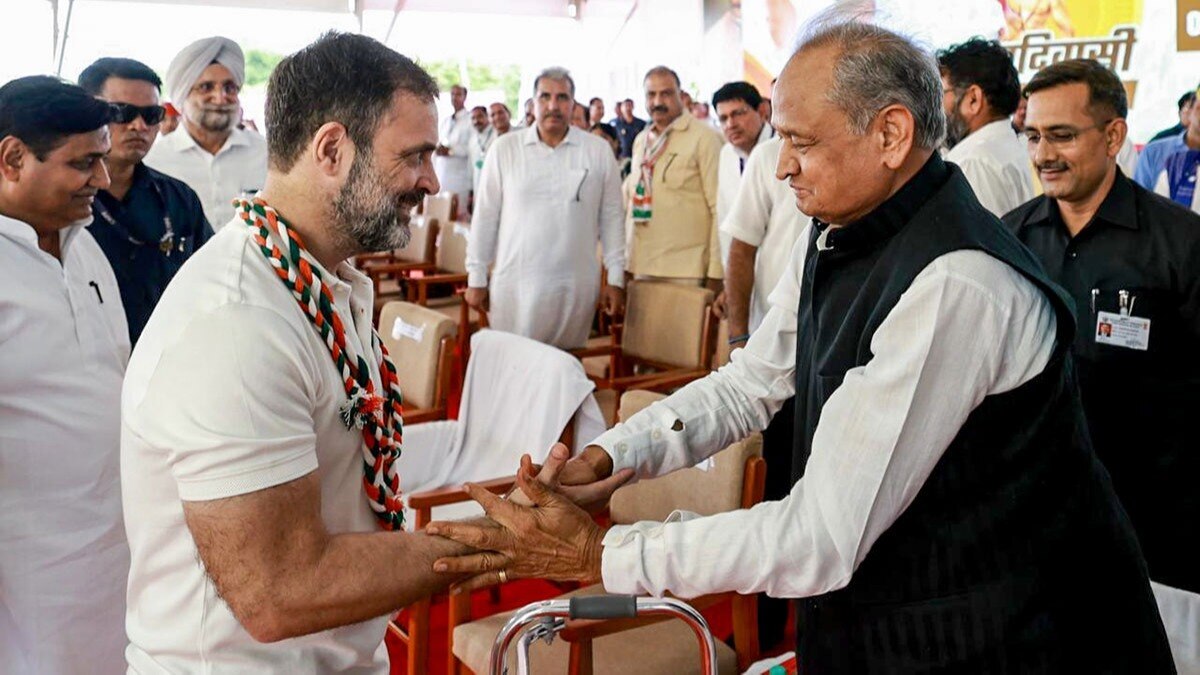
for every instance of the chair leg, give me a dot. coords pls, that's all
(459, 612)
(745, 630)
(580, 662)
(418, 637)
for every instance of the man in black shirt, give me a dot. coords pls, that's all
(146, 222)
(627, 126)
(1131, 260)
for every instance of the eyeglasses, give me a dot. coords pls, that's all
(228, 88)
(1060, 136)
(124, 113)
(733, 115)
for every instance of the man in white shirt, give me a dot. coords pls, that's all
(742, 115)
(452, 161)
(214, 157)
(980, 92)
(547, 195)
(63, 556)
(253, 519)
(480, 141)
(948, 512)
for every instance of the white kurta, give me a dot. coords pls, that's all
(937, 355)
(63, 556)
(996, 164)
(480, 142)
(730, 173)
(454, 170)
(238, 168)
(538, 215)
(765, 215)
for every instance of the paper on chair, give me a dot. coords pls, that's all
(404, 329)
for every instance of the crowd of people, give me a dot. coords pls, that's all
(963, 312)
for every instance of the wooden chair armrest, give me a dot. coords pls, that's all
(381, 269)
(657, 381)
(602, 350)
(430, 279)
(455, 494)
(423, 415)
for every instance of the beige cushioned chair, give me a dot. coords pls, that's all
(420, 342)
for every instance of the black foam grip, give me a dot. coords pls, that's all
(603, 607)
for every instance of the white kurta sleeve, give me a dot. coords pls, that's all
(485, 223)
(968, 326)
(986, 179)
(707, 415)
(612, 224)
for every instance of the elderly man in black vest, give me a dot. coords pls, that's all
(948, 513)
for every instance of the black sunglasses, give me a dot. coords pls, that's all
(124, 113)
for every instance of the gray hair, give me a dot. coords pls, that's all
(877, 68)
(555, 73)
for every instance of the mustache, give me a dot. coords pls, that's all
(227, 109)
(659, 109)
(1052, 166)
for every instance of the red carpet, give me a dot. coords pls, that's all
(513, 595)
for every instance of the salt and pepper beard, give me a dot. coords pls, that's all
(367, 215)
(216, 119)
(956, 125)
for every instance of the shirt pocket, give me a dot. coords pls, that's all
(581, 187)
(678, 173)
(1155, 305)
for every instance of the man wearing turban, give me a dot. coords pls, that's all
(216, 158)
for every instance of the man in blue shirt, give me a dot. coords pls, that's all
(1154, 156)
(146, 222)
(627, 126)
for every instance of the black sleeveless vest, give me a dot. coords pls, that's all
(1015, 556)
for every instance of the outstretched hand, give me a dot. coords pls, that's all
(584, 479)
(552, 539)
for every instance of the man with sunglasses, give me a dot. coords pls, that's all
(216, 158)
(1131, 260)
(146, 222)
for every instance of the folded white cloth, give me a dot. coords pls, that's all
(191, 61)
(518, 397)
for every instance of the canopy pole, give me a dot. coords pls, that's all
(396, 9)
(66, 34)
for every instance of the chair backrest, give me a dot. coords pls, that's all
(452, 248)
(422, 243)
(667, 323)
(413, 336)
(440, 207)
(706, 491)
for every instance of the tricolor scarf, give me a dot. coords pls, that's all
(643, 195)
(378, 418)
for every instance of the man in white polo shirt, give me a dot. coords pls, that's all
(63, 557)
(213, 156)
(261, 415)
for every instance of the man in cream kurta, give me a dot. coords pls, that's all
(678, 240)
(547, 194)
(63, 556)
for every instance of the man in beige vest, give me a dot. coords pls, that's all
(674, 179)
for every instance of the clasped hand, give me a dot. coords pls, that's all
(544, 531)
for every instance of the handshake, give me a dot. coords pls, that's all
(543, 529)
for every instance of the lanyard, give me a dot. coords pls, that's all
(165, 244)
